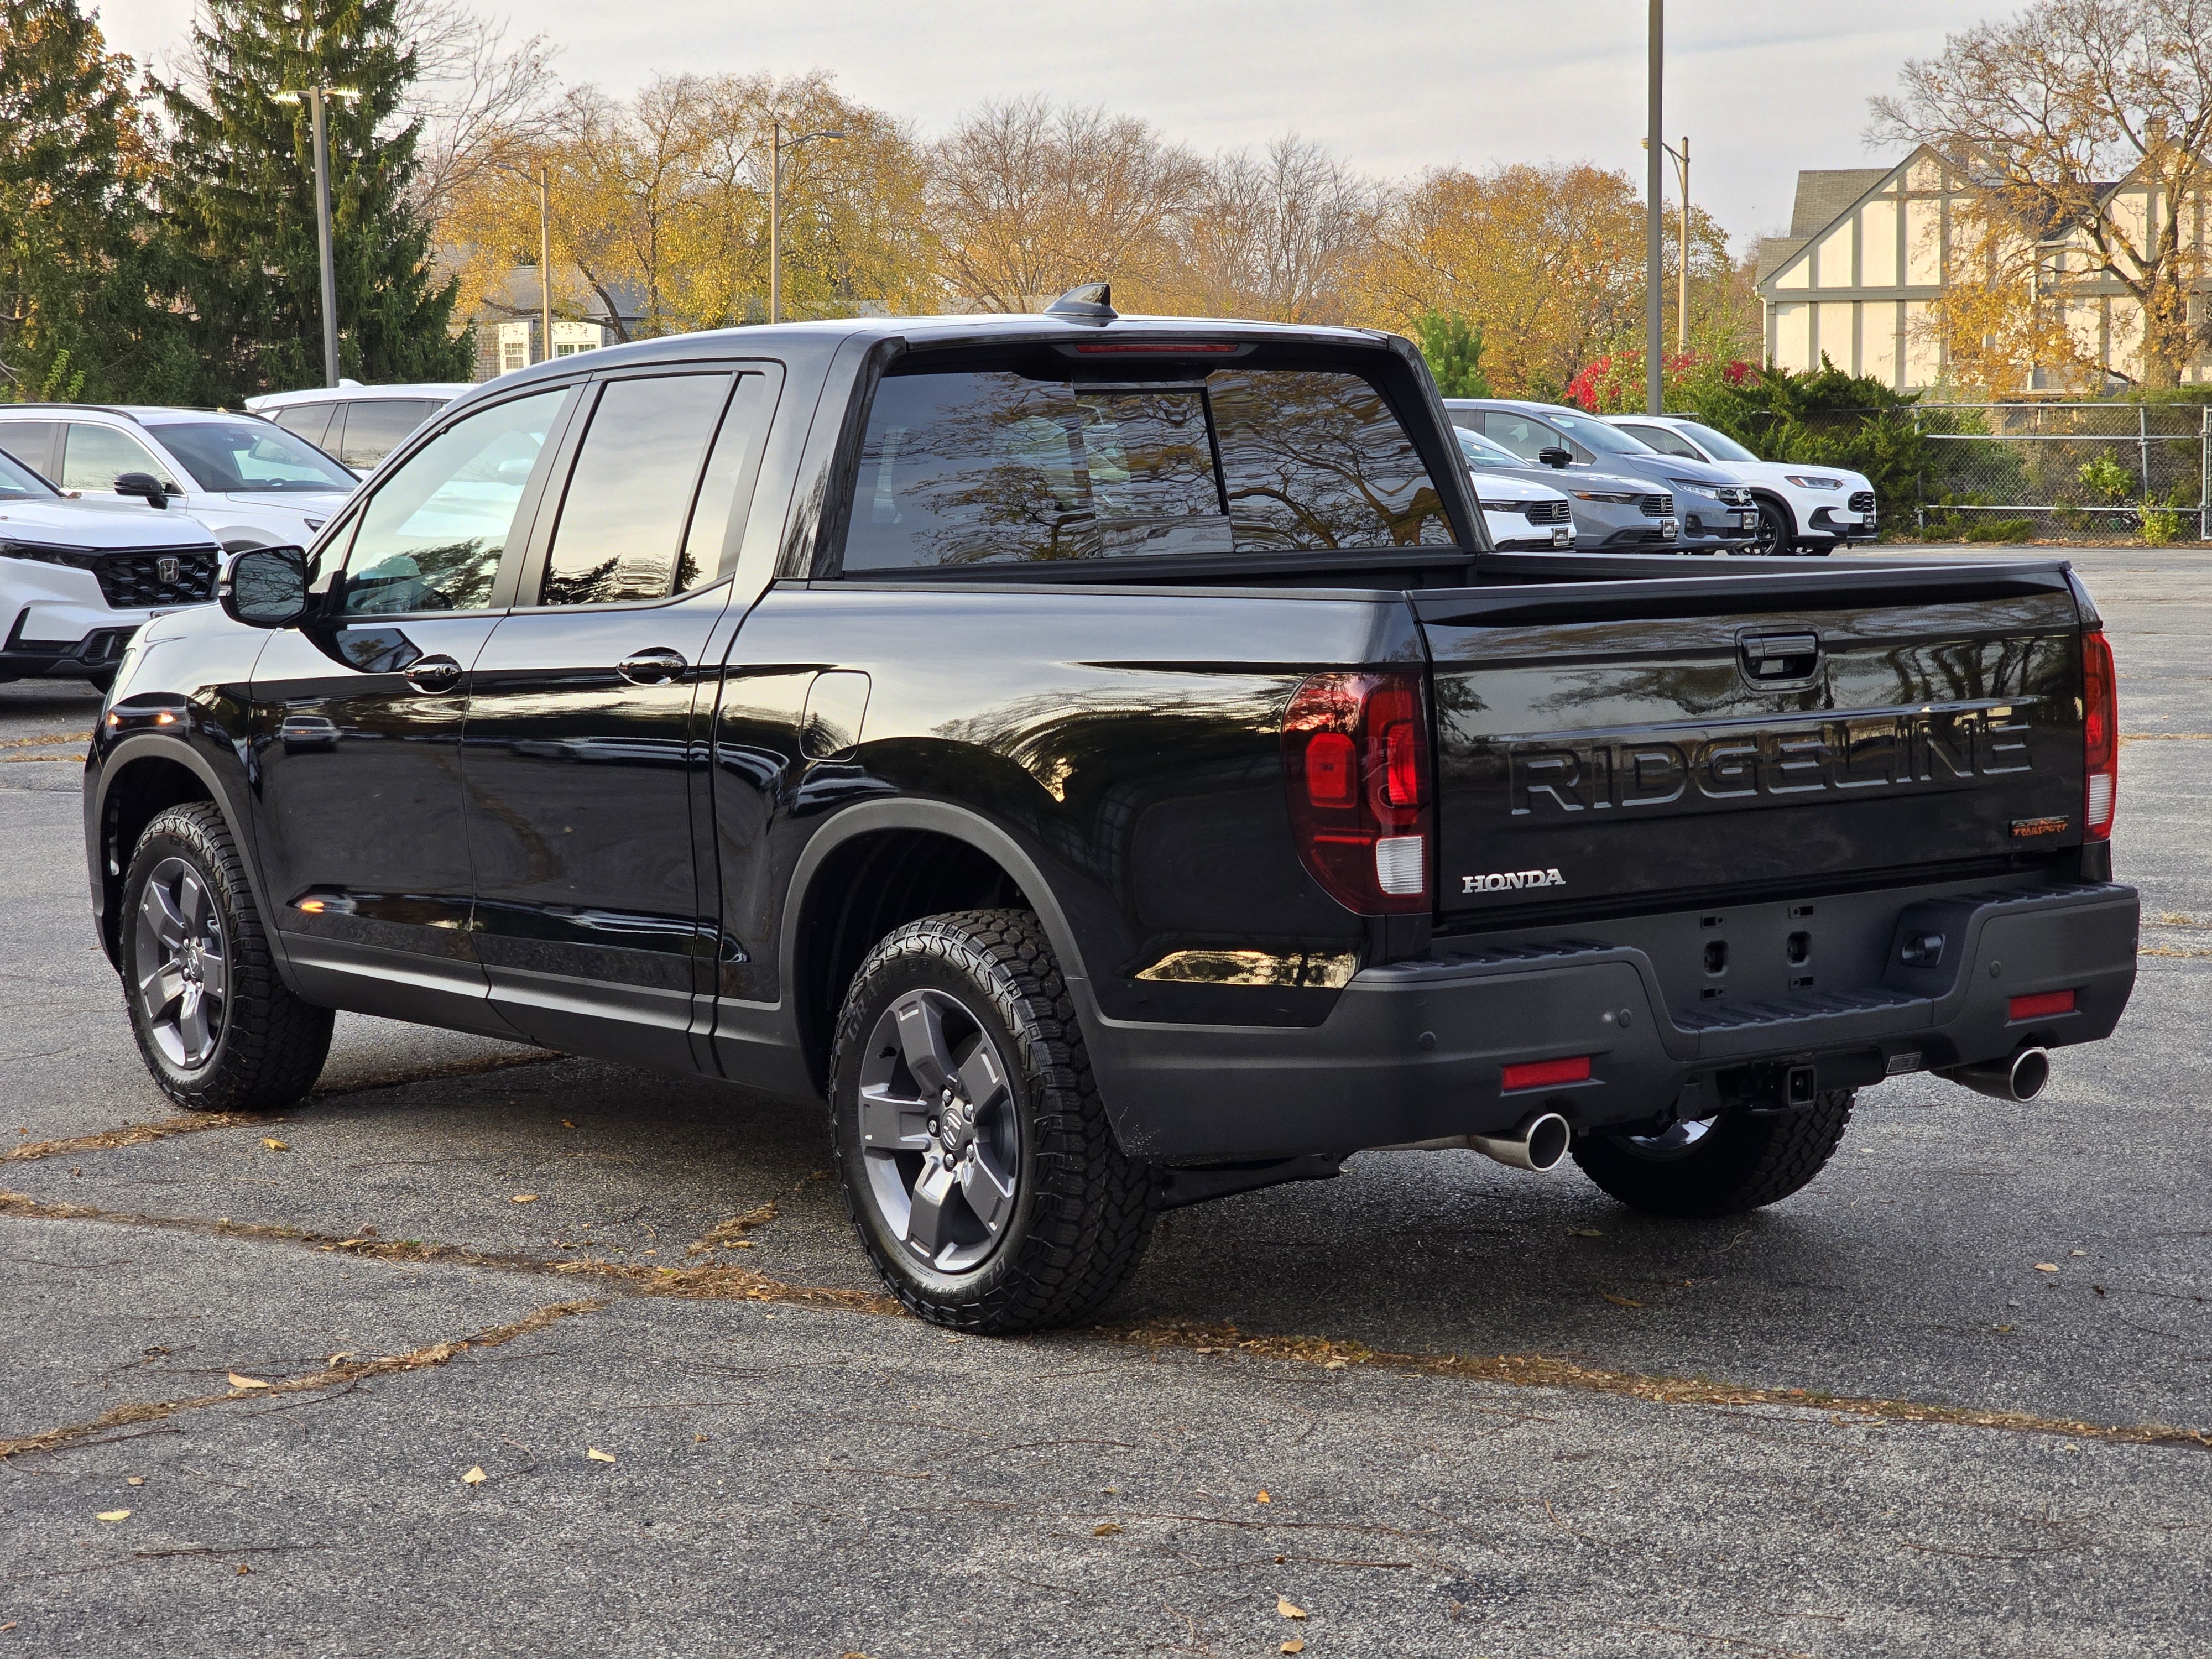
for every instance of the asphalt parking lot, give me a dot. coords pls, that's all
(1434, 1407)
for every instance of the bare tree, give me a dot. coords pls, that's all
(479, 100)
(2084, 121)
(1029, 198)
(1277, 235)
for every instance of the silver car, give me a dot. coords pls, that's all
(1612, 514)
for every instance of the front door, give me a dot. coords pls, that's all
(583, 756)
(359, 813)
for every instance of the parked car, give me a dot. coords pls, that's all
(1604, 511)
(1802, 508)
(75, 581)
(1100, 759)
(359, 424)
(1717, 513)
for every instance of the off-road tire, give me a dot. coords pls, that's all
(1743, 1162)
(1082, 1211)
(271, 1046)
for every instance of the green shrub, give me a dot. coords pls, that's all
(2000, 530)
(2161, 525)
(2107, 480)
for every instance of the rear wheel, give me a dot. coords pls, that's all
(1735, 1162)
(1776, 532)
(974, 1153)
(219, 1029)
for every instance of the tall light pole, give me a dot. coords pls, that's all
(316, 98)
(777, 145)
(1682, 272)
(1655, 304)
(545, 252)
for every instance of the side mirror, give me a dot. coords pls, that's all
(1552, 455)
(145, 484)
(264, 587)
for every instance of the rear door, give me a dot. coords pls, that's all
(1605, 747)
(579, 758)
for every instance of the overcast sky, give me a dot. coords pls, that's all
(1761, 89)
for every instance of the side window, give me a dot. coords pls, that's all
(94, 456)
(972, 468)
(1524, 436)
(32, 442)
(308, 421)
(736, 455)
(1665, 441)
(374, 427)
(623, 515)
(433, 533)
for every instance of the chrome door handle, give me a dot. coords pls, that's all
(439, 673)
(656, 667)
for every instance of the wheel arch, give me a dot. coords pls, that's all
(1771, 496)
(141, 778)
(879, 865)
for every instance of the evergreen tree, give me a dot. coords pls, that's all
(80, 311)
(1453, 348)
(239, 200)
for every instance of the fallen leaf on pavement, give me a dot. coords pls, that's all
(275, 1144)
(598, 1456)
(566, 1124)
(1288, 1609)
(244, 1571)
(523, 1198)
(1262, 1497)
(1108, 1530)
(2046, 1266)
(2077, 1253)
(135, 1480)
(1619, 1301)
(1296, 1644)
(238, 1382)
(115, 1515)
(475, 1477)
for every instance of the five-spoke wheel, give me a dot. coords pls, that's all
(180, 966)
(939, 1135)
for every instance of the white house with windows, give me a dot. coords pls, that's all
(1869, 248)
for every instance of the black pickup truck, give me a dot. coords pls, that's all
(1101, 758)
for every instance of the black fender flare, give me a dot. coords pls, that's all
(148, 745)
(1766, 497)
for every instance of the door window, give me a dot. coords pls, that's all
(375, 426)
(972, 468)
(308, 421)
(1519, 434)
(432, 534)
(736, 454)
(1664, 440)
(623, 517)
(32, 443)
(94, 456)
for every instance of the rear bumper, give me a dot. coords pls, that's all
(1416, 1051)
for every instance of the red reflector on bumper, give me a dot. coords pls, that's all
(2041, 1004)
(1543, 1073)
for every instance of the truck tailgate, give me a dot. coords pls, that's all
(1616, 745)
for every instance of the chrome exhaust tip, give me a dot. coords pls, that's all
(1538, 1145)
(2020, 1078)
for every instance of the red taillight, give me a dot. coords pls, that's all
(1356, 761)
(1546, 1074)
(2041, 1005)
(2100, 738)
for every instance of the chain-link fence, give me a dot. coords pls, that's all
(2010, 470)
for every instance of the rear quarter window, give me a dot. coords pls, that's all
(997, 467)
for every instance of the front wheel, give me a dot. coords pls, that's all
(975, 1155)
(219, 1029)
(1735, 1162)
(1776, 533)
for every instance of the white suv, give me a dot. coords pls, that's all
(359, 424)
(1801, 506)
(251, 483)
(77, 580)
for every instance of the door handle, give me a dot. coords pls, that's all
(657, 666)
(439, 674)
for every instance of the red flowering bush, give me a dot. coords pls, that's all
(1613, 385)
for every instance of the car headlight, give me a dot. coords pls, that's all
(75, 558)
(1614, 497)
(1685, 487)
(1808, 481)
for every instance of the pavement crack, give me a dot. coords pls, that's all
(331, 1377)
(130, 1135)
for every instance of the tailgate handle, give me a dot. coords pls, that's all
(1776, 657)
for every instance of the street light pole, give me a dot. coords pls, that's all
(1683, 273)
(1655, 304)
(315, 97)
(777, 145)
(546, 252)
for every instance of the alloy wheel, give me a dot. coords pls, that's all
(182, 966)
(940, 1135)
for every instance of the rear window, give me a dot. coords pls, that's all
(995, 467)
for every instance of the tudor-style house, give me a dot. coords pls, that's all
(1869, 248)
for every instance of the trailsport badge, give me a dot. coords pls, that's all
(1500, 881)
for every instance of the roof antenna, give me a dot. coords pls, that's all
(1087, 302)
